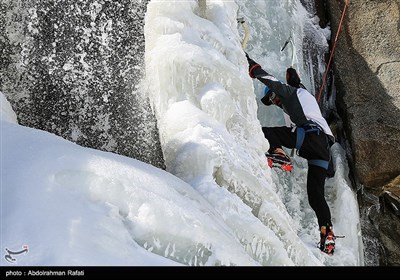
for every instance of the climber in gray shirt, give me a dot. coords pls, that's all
(309, 134)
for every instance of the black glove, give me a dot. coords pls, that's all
(252, 66)
(249, 60)
(292, 78)
(266, 99)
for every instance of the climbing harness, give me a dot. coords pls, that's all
(302, 130)
(300, 135)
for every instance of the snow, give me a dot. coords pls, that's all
(218, 203)
(63, 200)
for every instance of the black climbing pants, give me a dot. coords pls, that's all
(315, 146)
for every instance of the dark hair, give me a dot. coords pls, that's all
(292, 78)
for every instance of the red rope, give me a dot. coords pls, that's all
(333, 50)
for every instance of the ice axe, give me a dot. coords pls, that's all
(289, 40)
(246, 29)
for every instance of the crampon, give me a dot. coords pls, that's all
(280, 162)
(327, 242)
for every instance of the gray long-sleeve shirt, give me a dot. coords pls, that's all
(298, 103)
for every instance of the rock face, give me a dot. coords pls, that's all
(389, 228)
(74, 68)
(385, 217)
(367, 67)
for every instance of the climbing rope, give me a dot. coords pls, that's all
(333, 50)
